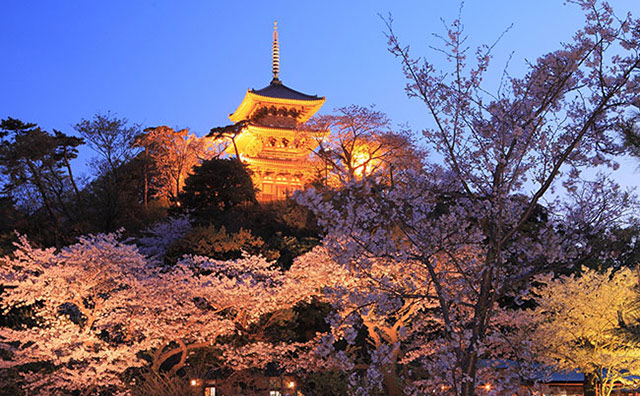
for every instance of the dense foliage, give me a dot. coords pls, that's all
(581, 322)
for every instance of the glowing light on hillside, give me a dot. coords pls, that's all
(362, 162)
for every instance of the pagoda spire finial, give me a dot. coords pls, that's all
(275, 62)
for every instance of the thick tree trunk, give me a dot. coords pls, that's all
(469, 368)
(391, 383)
(482, 311)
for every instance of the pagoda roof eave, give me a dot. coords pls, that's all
(252, 100)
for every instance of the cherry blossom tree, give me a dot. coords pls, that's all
(361, 144)
(364, 306)
(476, 224)
(173, 154)
(394, 306)
(241, 292)
(157, 238)
(580, 326)
(86, 300)
(102, 308)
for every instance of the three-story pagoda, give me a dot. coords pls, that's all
(270, 136)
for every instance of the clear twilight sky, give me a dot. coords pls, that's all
(190, 63)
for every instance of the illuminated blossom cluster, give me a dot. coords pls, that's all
(157, 239)
(100, 308)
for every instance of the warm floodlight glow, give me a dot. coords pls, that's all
(363, 162)
(487, 387)
(194, 382)
(291, 384)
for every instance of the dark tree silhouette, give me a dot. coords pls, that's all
(112, 138)
(217, 186)
(37, 173)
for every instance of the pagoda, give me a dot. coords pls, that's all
(269, 134)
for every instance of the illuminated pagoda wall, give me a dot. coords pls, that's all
(270, 137)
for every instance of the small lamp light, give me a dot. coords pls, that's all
(291, 384)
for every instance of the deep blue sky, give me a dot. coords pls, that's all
(189, 63)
